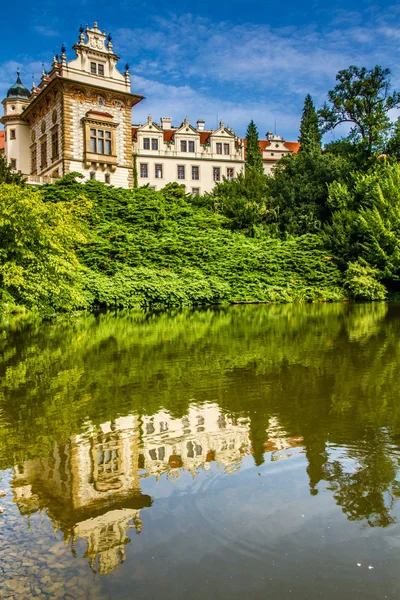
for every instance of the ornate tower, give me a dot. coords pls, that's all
(16, 129)
(79, 117)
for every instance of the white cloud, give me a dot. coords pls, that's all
(186, 65)
(46, 31)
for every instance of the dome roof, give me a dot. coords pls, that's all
(18, 90)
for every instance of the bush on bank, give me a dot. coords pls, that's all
(69, 246)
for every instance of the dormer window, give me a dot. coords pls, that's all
(97, 69)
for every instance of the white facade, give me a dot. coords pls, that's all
(191, 156)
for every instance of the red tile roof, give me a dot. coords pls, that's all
(168, 135)
(293, 146)
(204, 135)
(2, 139)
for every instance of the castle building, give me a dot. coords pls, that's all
(79, 119)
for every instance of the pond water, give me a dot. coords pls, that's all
(242, 452)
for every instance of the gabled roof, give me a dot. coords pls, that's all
(293, 146)
(170, 133)
(2, 139)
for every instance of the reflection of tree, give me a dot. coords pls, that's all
(327, 373)
(368, 492)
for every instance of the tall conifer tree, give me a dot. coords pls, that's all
(253, 154)
(310, 135)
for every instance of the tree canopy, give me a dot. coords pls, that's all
(253, 154)
(362, 98)
(310, 135)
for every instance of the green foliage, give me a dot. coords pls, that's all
(360, 282)
(299, 190)
(245, 202)
(361, 97)
(310, 135)
(151, 248)
(7, 175)
(393, 146)
(253, 153)
(39, 269)
(366, 220)
(135, 171)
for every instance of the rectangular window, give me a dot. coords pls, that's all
(13, 164)
(181, 172)
(191, 146)
(195, 191)
(107, 178)
(158, 171)
(100, 70)
(92, 175)
(154, 143)
(146, 143)
(33, 160)
(195, 173)
(226, 148)
(219, 148)
(54, 145)
(100, 141)
(183, 146)
(43, 154)
(93, 69)
(144, 170)
(107, 142)
(216, 173)
(13, 134)
(229, 173)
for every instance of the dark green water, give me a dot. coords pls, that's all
(249, 452)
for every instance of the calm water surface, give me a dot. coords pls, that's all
(248, 452)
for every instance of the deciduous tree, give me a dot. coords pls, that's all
(362, 97)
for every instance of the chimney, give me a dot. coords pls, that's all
(166, 122)
(200, 125)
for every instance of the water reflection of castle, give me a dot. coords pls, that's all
(90, 486)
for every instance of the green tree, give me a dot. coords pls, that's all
(38, 267)
(362, 98)
(310, 135)
(365, 224)
(393, 147)
(135, 171)
(253, 153)
(245, 200)
(7, 175)
(299, 190)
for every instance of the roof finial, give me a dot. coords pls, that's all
(81, 34)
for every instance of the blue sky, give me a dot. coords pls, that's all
(233, 60)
